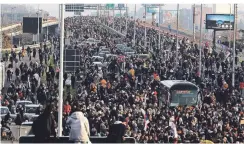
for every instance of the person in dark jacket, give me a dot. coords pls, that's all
(117, 131)
(44, 126)
(19, 118)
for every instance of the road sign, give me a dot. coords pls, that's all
(121, 6)
(117, 15)
(109, 6)
(151, 10)
(77, 13)
(74, 7)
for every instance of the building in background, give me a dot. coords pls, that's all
(205, 10)
(186, 19)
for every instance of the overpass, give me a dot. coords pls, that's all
(45, 27)
(44, 24)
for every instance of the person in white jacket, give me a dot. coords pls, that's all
(80, 130)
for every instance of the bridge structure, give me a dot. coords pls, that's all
(15, 31)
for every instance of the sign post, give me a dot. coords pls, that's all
(120, 7)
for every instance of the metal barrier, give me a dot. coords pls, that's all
(65, 139)
(19, 131)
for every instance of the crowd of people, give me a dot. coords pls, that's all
(127, 93)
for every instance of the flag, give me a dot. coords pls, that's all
(146, 120)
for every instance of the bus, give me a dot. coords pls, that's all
(179, 93)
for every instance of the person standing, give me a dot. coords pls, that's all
(117, 131)
(44, 126)
(79, 124)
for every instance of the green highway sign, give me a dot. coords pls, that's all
(109, 6)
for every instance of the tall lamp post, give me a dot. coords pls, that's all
(234, 46)
(134, 38)
(38, 25)
(145, 30)
(12, 15)
(177, 33)
(60, 100)
(200, 46)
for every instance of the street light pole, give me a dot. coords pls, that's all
(12, 24)
(145, 31)
(120, 20)
(113, 17)
(200, 46)
(234, 46)
(194, 14)
(230, 28)
(38, 25)
(159, 34)
(134, 42)
(177, 33)
(60, 100)
(126, 21)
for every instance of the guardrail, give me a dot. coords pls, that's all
(65, 139)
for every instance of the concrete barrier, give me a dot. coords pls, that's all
(65, 139)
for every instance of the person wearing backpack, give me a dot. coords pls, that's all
(44, 126)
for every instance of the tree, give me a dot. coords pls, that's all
(6, 43)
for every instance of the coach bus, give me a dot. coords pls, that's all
(179, 93)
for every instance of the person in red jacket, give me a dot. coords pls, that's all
(67, 108)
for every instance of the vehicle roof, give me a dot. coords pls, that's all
(97, 63)
(32, 105)
(27, 123)
(23, 101)
(97, 57)
(143, 54)
(4, 107)
(170, 83)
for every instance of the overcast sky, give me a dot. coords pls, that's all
(53, 8)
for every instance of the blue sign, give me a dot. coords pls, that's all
(151, 10)
(121, 5)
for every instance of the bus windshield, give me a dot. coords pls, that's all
(184, 97)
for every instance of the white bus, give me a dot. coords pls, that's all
(179, 93)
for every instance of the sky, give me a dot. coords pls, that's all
(53, 8)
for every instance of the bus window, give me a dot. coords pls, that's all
(184, 97)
